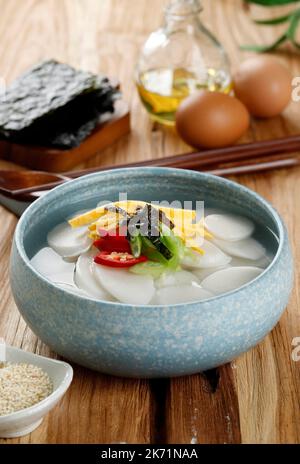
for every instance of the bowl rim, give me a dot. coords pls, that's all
(51, 399)
(282, 234)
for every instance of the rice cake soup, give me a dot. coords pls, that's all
(137, 253)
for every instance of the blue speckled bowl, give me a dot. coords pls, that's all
(148, 341)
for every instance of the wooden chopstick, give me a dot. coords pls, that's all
(196, 160)
(209, 161)
(255, 167)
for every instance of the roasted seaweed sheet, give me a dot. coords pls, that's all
(55, 105)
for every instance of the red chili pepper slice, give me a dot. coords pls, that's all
(119, 260)
(110, 244)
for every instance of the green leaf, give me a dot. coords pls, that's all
(290, 35)
(292, 31)
(265, 48)
(272, 2)
(171, 241)
(274, 21)
(149, 250)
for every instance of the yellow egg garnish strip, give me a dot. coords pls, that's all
(179, 216)
(105, 221)
(198, 250)
(93, 235)
(108, 220)
(87, 218)
(198, 229)
(208, 235)
(95, 214)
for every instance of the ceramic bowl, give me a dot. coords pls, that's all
(25, 421)
(149, 341)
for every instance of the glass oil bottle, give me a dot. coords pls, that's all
(179, 59)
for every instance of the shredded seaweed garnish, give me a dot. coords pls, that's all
(147, 221)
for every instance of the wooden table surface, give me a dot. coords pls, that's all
(256, 398)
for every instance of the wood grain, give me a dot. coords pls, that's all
(260, 390)
(204, 409)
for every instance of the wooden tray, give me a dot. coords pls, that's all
(53, 160)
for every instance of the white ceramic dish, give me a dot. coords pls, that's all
(25, 421)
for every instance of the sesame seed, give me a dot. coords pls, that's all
(21, 386)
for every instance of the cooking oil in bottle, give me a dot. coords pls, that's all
(178, 59)
(162, 90)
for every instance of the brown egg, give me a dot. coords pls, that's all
(264, 85)
(211, 120)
